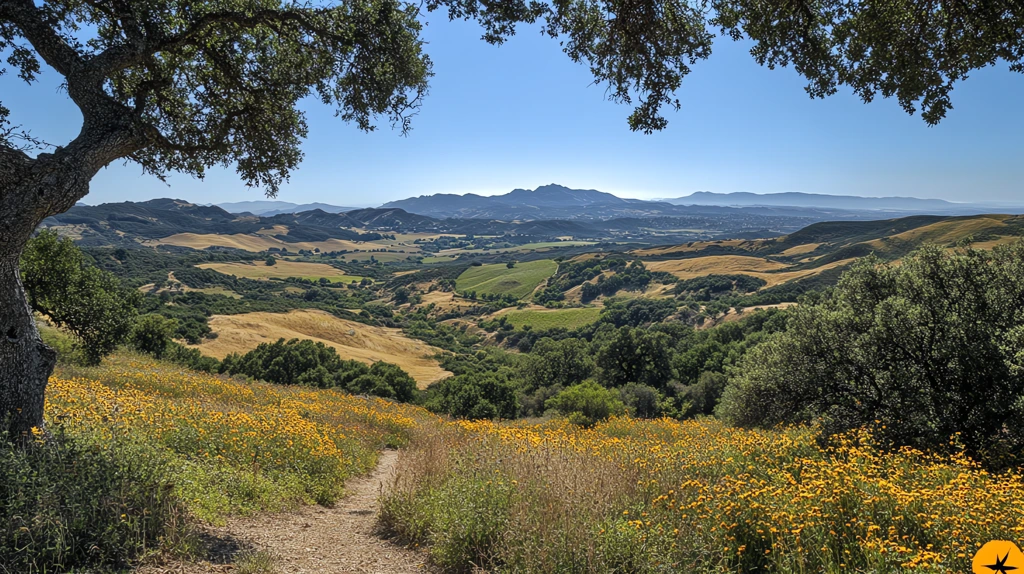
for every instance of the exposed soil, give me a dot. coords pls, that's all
(312, 539)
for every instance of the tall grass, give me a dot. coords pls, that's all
(142, 449)
(655, 496)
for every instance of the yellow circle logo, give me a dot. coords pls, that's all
(998, 557)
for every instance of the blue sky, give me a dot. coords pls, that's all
(523, 115)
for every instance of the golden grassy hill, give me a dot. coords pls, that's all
(352, 340)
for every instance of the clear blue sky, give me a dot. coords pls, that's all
(523, 115)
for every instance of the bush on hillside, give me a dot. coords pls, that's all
(646, 402)
(930, 348)
(78, 503)
(482, 396)
(636, 356)
(305, 362)
(587, 403)
(567, 362)
(152, 334)
(76, 296)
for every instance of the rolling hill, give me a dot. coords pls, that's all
(824, 247)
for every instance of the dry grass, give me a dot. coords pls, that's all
(717, 264)
(254, 243)
(693, 496)
(446, 301)
(733, 315)
(771, 271)
(263, 240)
(945, 232)
(283, 269)
(992, 243)
(242, 333)
(800, 249)
(745, 244)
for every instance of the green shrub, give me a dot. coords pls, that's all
(479, 396)
(81, 502)
(385, 380)
(923, 350)
(88, 302)
(305, 362)
(191, 358)
(462, 518)
(646, 402)
(587, 403)
(152, 334)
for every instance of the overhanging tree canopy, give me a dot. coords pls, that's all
(183, 85)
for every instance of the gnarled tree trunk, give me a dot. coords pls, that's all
(25, 362)
(31, 189)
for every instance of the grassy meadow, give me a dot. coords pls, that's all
(497, 279)
(153, 447)
(552, 318)
(695, 496)
(147, 447)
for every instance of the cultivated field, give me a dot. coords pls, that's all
(283, 269)
(352, 340)
(552, 318)
(499, 280)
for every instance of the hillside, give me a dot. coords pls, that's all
(518, 282)
(131, 223)
(655, 484)
(827, 242)
(352, 340)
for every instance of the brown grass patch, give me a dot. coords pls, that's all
(741, 264)
(283, 268)
(262, 241)
(694, 246)
(352, 340)
(800, 249)
(716, 264)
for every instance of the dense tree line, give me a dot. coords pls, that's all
(305, 362)
(923, 351)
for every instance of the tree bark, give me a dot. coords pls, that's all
(31, 189)
(25, 362)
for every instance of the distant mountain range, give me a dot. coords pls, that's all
(271, 208)
(799, 199)
(559, 202)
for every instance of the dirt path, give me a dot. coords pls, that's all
(314, 539)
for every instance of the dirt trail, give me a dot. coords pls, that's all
(314, 539)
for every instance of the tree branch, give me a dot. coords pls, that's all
(31, 21)
(122, 56)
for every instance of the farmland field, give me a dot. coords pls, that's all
(352, 340)
(497, 279)
(282, 270)
(553, 318)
